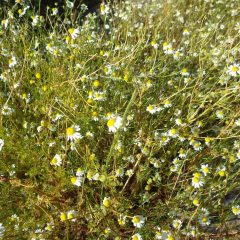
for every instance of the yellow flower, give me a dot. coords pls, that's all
(236, 210)
(207, 140)
(136, 219)
(170, 237)
(221, 173)
(96, 83)
(71, 30)
(63, 216)
(38, 75)
(196, 202)
(111, 122)
(68, 39)
(70, 131)
(106, 202)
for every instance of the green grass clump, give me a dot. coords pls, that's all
(123, 126)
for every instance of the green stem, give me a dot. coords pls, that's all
(117, 134)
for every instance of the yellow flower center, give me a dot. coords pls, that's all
(150, 107)
(207, 139)
(173, 131)
(54, 161)
(196, 180)
(134, 237)
(71, 30)
(96, 83)
(136, 220)
(70, 216)
(38, 75)
(111, 122)
(70, 131)
(235, 69)
(68, 38)
(196, 202)
(170, 237)
(73, 180)
(106, 202)
(167, 102)
(206, 169)
(63, 217)
(235, 210)
(197, 175)
(221, 173)
(49, 227)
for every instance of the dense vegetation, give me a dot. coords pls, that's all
(125, 126)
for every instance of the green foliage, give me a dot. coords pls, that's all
(124, 127)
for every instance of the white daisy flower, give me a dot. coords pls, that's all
(238, 154)
(234, 70)
(7, 110)
(114, 123)
(237, 122)
(154, 44)
(177, 224)
(22, 12)
(184, 72)
(119, 172)
(104, 9)
(49, 226)
(106, 202)
(2, 229)
(138, 221)
(220, 114)
(79, 172)
(173, 133)
(73, 133)
(56, 161)
(152, 109)
(77, 181)
(167, 48)
(1, 144)
(205, 169)
(71, 214)
(12, 62)
(204, 220)
(5, 23)
(197, 180)
(54, 11)
(35, 20)
(236, 210)
(73, 32)
(137, 236)
(186, 32)
(167, 104)
(179, 122)
(182, 153)
(197, 146)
